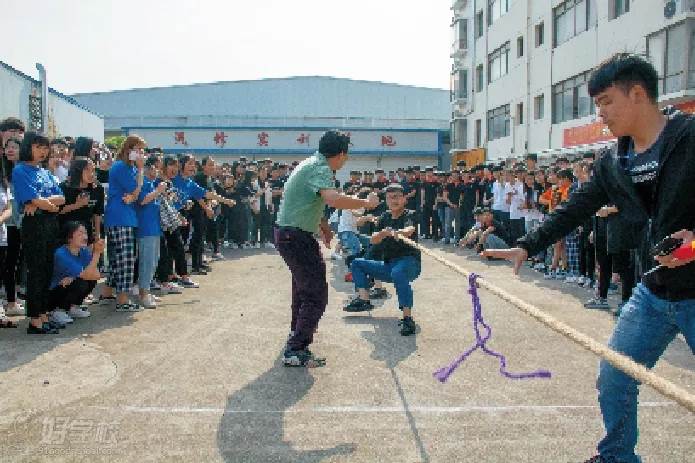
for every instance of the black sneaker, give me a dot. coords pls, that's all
(302, 358)
(378, 293)
(45, 329)
(358, 305)
(596, 459)
(197, 271)
(407, 326)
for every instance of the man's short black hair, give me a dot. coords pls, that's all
(532, 156)
(12, 123)
(625, 70)
(207, 159)
(566, 173)
(332, 143)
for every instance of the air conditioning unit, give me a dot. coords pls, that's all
(674, 7)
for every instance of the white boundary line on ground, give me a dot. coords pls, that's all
(374, 409)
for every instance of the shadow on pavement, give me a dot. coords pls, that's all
(392, 348)
(253, 424)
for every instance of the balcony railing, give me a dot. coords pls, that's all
(458, 5)
(459, 48)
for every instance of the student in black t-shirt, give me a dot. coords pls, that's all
(84, 198)
(401, 262)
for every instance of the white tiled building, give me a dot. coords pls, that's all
(520, 67)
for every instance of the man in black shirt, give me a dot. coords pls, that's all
(648, 175)
(491, 234)
(429, 195)
(277, 187)
(401, 262)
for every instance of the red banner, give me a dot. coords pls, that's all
(586, 134)
(687, 107)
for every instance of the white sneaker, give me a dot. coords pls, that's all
(17, 309)
(234, 246)
(336, 256)
(135, 290)
(269, 246)
(171, 288)
(571, 279)
(225, 244)
(78, 312)
(148, 302)
(60, 316)
(218, 256)
(257, 245)
(549, 276)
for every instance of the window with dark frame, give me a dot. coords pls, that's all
(496, 9)
(540, 34)
(478, 132)
(539, 106)
(480, 78)
(571, 18)
(520, 114)
(498, 63)
(520, 46)
(571, 99)
(479, 24)
(498, 123)
(619, 8)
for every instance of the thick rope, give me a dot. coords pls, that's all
(619, 361)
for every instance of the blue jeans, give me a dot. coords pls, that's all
(401, 272)
(646, 326)
(148, 257)
(350, 241)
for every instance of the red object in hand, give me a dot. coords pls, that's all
(685, 252)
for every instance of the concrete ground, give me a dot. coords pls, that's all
(199, 379)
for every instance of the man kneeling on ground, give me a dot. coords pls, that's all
(487, 233)
(401, 262)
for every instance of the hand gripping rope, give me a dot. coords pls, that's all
(619, 361)
(480, 343)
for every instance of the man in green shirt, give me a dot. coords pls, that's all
(307, 191)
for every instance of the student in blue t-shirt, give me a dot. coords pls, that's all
(39, 198)
(120, 220)
(75, 271)
(149, 229)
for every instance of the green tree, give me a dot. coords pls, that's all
(114, 143)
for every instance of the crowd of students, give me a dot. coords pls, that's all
(491, 206)
(146, 211)
(71, 213)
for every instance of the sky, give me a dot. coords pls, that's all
(102, 45)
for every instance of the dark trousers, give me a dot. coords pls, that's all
(10, 263)
(517, 228)
(73, 294)
(467, 220)
(173, 257)
(40, 240)
(624, 265)
(428, 225)
(302, 255)
(587, 256)
(211, 235)
(266, 225)
(198, 222)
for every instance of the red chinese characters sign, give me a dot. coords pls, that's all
(220, 139)
(586, 134)
(263, 139)
(388, 140)
(303, 139)
(180, 138)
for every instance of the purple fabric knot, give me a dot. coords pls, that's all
(443, 373)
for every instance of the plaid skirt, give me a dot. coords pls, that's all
(121, 253)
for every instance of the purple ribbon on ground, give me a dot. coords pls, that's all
(443, 373)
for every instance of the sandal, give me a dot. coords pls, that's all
(7, 323)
